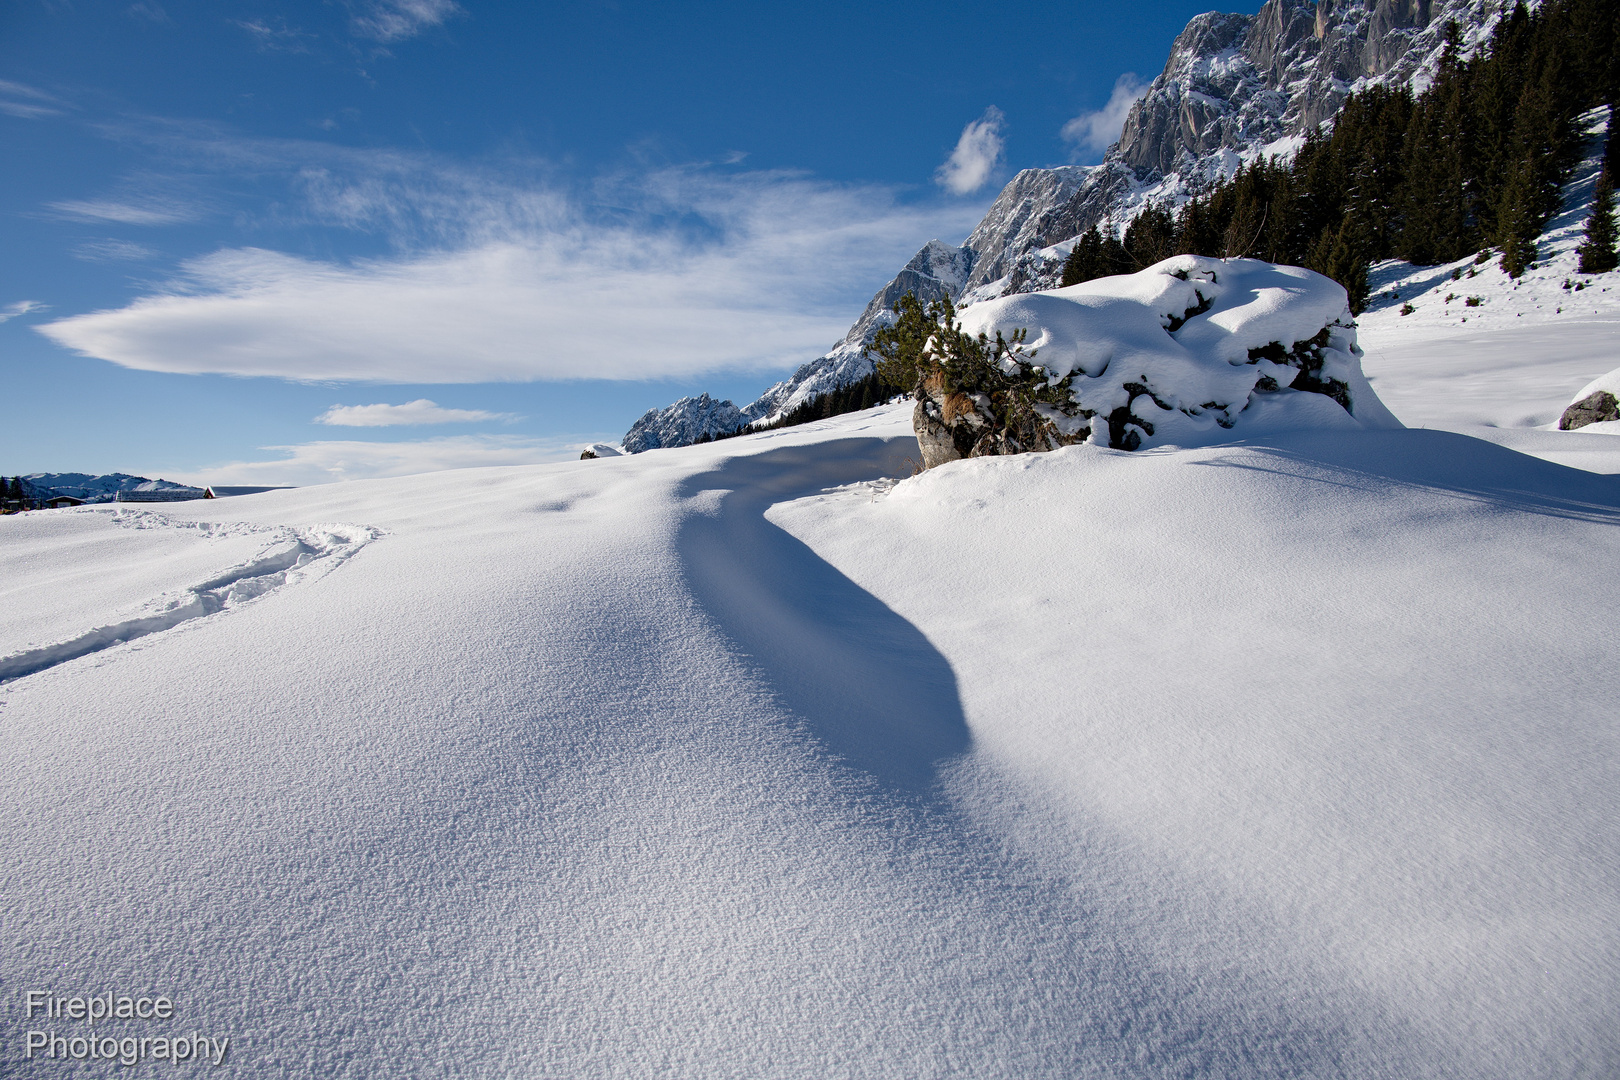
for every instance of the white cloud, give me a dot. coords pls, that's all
(17, 99)
(393, 20)
(21, 307)
(420, 411)
(125, 213)
(976, 156)
(1092, 133)
(665, 274)
(332, 460)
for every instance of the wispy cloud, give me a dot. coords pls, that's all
(22, 307)
(1091, 133)
(126, 213)
(328, 461)
(498, 276)
(394, 20)
(26, 102)
(420, 411)
(111, 250)
(277, 36)
(976, 156)
(152, 12)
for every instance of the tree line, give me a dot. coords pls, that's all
(1473, 163)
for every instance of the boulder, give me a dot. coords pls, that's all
(1592, 409)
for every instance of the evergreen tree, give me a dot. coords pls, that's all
(1086, 260)
(1196, 230)
(1598, 254)
(1519, 219)
(1150, 238)
(1346, 262)
(1611, 154)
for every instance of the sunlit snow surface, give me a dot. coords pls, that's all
(1294, 757)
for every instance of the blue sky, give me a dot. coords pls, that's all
(294, 242)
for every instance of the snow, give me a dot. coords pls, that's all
(1289, 756)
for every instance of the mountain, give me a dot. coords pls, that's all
(103, 488)
(683, 423)
(1234, 88)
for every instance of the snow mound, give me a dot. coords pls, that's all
(1192, 347)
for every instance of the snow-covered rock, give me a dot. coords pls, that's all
(683, 423)
(1182, 353)
(1597, 403)
(601, 450)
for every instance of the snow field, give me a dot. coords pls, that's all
(1290, 758)
(1334, 707)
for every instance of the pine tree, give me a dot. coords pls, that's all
(1598, 254)
(1346, 262)
(1519, 219)
(1086, 260)
(1150, 238)
(1611, 154)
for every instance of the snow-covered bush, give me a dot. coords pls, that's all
(1190, 351)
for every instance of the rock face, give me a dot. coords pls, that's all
(1235, 86)
(683, 423)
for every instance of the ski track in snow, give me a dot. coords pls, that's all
(291, 555)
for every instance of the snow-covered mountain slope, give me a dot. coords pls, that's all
(1235, 87)
(95, 488)
(1289, 758)
(683, 423)
(1465, 347)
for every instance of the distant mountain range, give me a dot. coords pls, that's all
(107, 487)
(1236, 87)
(94, 489)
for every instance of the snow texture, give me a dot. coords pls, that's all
(1289, 758)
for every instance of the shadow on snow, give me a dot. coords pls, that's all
(866, 682)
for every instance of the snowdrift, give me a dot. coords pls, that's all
(1194, 350)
